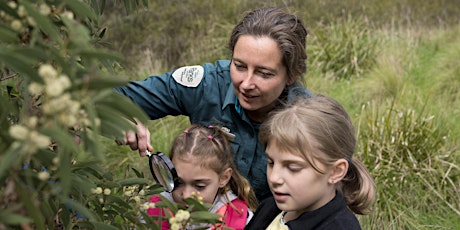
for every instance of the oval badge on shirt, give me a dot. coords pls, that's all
(189, 76)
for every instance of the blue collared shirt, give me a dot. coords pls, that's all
(211, 102)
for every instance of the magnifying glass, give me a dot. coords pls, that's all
(163, 170)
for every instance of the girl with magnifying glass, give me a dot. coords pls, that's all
(202, 165)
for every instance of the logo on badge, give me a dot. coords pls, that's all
(189, 76)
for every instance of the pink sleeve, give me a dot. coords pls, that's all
(158, 212)
(236, 214)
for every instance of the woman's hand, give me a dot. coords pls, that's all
(138, 140)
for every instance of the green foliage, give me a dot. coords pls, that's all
(407, 62)
(345, 49)
(404, 148)
(57, 97)
(410, 143)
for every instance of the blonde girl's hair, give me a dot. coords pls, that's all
(210, 145)
(319, 128)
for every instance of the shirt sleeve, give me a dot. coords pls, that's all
(166, 94)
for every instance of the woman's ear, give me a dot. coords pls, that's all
(225, 177)
(339, 170)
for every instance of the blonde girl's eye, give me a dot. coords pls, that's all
(296, 167)
(269, 162)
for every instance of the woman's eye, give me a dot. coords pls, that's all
(266, 75)
(239, 66)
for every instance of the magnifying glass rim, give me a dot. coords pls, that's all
(170, 166)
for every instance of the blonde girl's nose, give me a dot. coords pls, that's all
(274, 177)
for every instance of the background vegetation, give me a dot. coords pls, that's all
(392, 64)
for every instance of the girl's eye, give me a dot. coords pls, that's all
(269, 162)
(179, 183)
(295, 168)
(200, 187)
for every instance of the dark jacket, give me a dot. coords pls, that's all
(335, 215)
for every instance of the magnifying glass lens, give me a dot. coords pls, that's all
(162, 172)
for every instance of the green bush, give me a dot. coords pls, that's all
(412, 162)
(57, 101)
(345, 49)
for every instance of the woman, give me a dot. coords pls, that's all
(266, 69)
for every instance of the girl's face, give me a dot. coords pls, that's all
(194, 179)
(296, 186)
(258, 74)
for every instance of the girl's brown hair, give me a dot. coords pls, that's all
(210, 145)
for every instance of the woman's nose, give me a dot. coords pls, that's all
(248, 81)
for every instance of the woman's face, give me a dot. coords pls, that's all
(258, 74)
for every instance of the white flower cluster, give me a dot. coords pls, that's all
(43, 175)
(131, 192)
(58, 103)
(30, 139)
(99, 190)
(20, 24)
(180, 220)
(147, 205)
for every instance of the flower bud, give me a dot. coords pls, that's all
(43, 176)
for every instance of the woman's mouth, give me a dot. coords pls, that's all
(248, 97)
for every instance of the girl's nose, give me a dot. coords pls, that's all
(274, 176)
(187, 192)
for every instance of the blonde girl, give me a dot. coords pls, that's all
(311, 171)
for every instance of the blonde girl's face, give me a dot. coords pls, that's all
(194, 179)
(296, 186)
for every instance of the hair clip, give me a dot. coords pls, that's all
(350, 160)
(210, 127)
(210, 137)
(185, 131)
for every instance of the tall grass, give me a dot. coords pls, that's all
(344, 49)
(411, 160)
(405, 109)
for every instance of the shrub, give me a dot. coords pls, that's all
(57, 99)
(402, 149)
(344, 49)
